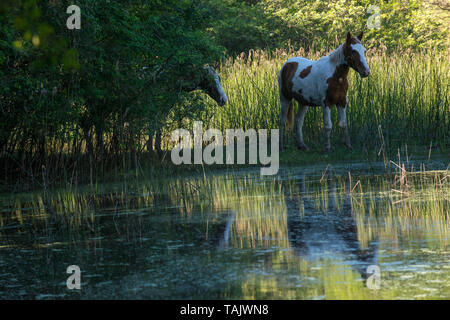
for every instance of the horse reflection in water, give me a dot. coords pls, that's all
(221, 237)
(318, 234)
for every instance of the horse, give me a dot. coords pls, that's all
(320, 83)
(205, 79)
(211, 85)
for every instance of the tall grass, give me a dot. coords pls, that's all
(406, 95)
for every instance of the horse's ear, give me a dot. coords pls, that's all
(349, 36)
(361, 36)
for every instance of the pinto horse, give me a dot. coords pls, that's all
(205, 79)
(320, 83)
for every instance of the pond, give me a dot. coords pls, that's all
(307, 233)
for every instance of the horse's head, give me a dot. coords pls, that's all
(355, 57)
(210, 83)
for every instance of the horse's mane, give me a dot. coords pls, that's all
(337, 55)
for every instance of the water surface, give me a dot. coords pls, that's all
(305, 234)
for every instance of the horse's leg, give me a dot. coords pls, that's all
(285, 104)
(327, 126)
(299, 117)
(343, 124)
(332, 198)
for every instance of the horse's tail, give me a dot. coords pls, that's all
(290, 116)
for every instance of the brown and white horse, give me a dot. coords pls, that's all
(320, 83)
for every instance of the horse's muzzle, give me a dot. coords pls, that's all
(365, 74)
(222, 101)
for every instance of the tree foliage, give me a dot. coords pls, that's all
(243, 25)
(60, 88)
